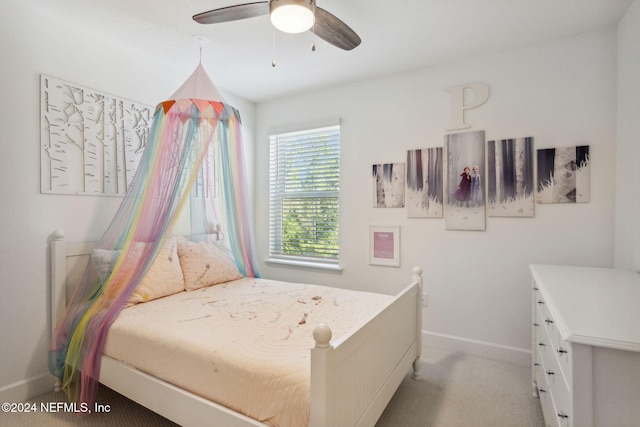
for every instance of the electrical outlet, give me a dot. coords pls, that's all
(425, 300)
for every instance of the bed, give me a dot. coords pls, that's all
(352, 372)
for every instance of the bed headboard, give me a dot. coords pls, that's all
(68, 264)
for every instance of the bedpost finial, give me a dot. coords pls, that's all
(58, 234)
(417, 271)
(322, 334)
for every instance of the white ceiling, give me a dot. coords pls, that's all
(397, 35)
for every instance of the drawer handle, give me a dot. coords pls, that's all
(536, 324)
(541, 390)
(535, 288)
(562, 415)
(562, 351)
(540, 302)
(547, 321)
(541, 344)
(550, 372)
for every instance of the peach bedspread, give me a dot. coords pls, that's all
(243, 344)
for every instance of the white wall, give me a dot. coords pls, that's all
(562, 94)
(35, 43)
(627, 233)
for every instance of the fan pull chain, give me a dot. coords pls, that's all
(273, 51)
(313, 29)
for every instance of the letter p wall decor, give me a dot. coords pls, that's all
(465, 97)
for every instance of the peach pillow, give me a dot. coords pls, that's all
(205, 264)
(163, 278)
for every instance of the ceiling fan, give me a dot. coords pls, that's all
(291, 16)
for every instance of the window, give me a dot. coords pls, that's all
(304, 191)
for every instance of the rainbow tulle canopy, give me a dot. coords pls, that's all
(192, 135)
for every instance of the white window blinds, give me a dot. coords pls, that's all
(304, 195)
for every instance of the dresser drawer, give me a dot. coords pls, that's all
(555, 399)
(552, 373)
(544, 348)
(545, 397)
(562, 407)
(555, 382)
(544, 319)
(564, 355)
(560, 348)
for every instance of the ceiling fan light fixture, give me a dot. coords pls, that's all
(292, 16)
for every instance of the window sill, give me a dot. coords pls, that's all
(305, 264)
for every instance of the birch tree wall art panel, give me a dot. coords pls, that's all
(465, 203)
(510, 185)
(91, 143)
(424, 183)
(563, 175)
(388, 185)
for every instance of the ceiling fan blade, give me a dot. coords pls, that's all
(334, 31)
(233, 13)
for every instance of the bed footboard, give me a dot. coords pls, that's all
(353, 379)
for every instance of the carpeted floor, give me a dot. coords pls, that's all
(464, 391)
(455, 391)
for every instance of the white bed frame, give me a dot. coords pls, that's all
(352, 379)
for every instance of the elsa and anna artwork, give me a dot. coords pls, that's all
(465, 205)
(469, 190)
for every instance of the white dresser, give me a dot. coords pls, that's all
(586, 345)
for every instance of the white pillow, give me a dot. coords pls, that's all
(163, 278)
(205, 264)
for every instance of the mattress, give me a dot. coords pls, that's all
(243, 344)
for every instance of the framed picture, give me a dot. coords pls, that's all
(563, 175)
(384, 245)
(423, 195)
(388, 185)
(465, 203)
(510, 185)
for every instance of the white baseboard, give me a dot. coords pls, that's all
(503, 353)
(26, 389)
